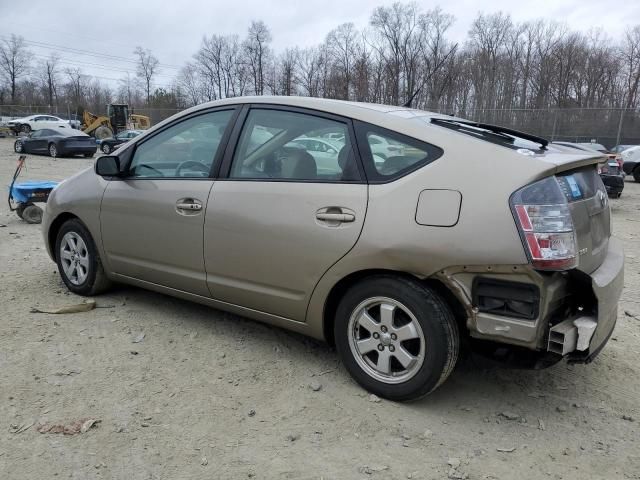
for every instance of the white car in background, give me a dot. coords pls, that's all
(37, 122)
(384, 148)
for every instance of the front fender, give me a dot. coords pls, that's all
(79, 196)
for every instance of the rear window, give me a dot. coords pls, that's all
(580, 184)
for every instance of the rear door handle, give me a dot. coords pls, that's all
(335, 217)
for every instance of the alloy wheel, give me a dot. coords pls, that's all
(74, 257)
(386, 340)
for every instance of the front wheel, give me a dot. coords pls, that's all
(396, 337)
(106, 149)
(25, 128)
(18, 146)
(78, 260)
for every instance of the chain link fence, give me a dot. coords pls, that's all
(608, 126)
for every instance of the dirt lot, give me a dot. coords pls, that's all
(206, 394)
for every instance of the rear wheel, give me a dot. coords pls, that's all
(106, 148)
(25, 128)
(53, 150)
(78, 260)
(636, 174)
(396, 337)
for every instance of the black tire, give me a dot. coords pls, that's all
(18, 146)
(32, 214)
(20, 208)
(441, 337)
(96, 281)
(25, 128)
(106, 148)
(53, 150)
(636, 174)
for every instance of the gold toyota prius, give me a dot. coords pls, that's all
(397, 235)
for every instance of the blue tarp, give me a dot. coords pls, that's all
(21, 192)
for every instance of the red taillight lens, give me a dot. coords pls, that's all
(544, 220)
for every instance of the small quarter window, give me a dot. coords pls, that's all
(390, 155)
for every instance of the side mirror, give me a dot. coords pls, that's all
(108, 166)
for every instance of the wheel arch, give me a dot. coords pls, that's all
(54, 228)
(340, 288)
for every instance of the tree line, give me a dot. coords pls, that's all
(404, 56)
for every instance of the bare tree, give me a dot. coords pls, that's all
(630, 54)
(147, 68)
(14, 61)
(257, 51)
(48, 73)
(342, 45)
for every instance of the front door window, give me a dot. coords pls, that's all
(186, 149)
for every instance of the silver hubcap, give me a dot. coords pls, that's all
(18, 147)
(386, 340)
(52, 150)
(105, 148)
(74, 257)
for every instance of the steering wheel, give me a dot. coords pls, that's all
(193, 165)
(144, 165)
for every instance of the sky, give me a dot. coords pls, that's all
(100, 37)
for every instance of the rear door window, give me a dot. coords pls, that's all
(293, 146)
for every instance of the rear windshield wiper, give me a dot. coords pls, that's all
(490, 132)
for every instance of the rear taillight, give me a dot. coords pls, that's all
(544, 219)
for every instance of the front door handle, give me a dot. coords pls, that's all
(335, 217)
(188, 206)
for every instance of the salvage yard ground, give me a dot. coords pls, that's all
(151, 387)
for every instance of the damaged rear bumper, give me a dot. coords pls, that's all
(576, 311)
(607, 283)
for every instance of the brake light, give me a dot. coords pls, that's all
(544, 220)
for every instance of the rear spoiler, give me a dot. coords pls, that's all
(570, 161)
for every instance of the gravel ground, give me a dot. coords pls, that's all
(206, 394)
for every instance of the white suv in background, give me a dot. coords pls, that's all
(37, 122)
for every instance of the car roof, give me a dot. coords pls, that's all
(409, 121)
(66, 132)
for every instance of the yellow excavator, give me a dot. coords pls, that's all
(117, 119)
